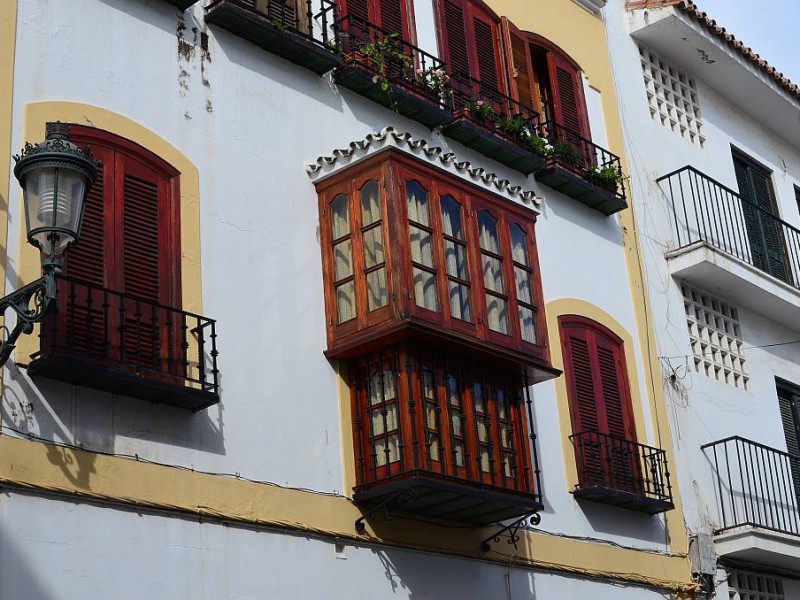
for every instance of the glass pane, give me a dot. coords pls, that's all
(381, 387)
(519, 249)
(451, 217)
(504, 437)
(455, 258)
(458, 450)
(508, 461)
(459, 302)
(497, 317)
(434, 448)
(485, 464)
(425, 289)
(421, 248)
(482, 435)
(430, 416)
(493, 274)
(370, 203)
(381, 425)
(417, 200)
(377, 295)
(373, 247)
(428, 390)
(340, 217)
(387, 450)
(500, 399)
(527, 324)
(346, 301)
(523, 279)
(487, 227)
(477, 398)
(452, 391)
(342, 260)
(456, 419)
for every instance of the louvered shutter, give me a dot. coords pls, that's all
(359, 8)
(520, 69)
(789, 405)
(763, 228)
(391, 17)
(455, 37)
(486, 53)
(570, 107)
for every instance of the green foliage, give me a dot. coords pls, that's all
(608, 176)
(479, 109)
(566, 152)
(382, 53)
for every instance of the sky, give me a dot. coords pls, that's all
(769, 27)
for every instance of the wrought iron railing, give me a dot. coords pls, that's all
(619, 465)
(392, 60)
(704, 210)
(420, 412)
(585, 158)
(313, 19)
(486, 105)
(132, 334)
(756, 485)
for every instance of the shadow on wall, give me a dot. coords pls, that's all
(17, 580)
(431, 577)
(625, 523)
(103, 422)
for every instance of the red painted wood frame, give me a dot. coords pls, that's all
(386, 14)
(130, 241)
(612, 412)
(507, 465)
(393, 170)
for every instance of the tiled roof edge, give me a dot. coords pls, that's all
(390, 137)
(691, 9)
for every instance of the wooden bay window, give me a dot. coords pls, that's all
(409, 251)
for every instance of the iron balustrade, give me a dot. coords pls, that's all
(301, 17)
(421, 412)
(391, 59)
(509, 118)
(580, 155)
(131, 334)
(756, 485)
(622, 466)
(704, 210)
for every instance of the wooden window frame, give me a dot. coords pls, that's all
(374, 16)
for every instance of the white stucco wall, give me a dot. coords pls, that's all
(251, 122)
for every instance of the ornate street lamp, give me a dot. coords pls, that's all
(54, 176)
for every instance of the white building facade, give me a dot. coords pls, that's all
(713, 135)
(341, 310)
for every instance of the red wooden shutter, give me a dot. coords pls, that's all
(570, 106)
(520, 69)
(617, 420)
(391, 17)
(486, 51)
(359, 8)
(141, 247)
(581, 379)
(455, 46)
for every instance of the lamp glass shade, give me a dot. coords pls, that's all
(54, 197)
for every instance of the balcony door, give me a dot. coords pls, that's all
(789, 404)
(760, 212)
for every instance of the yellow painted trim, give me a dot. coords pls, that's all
(37, 114)
(346, 430)
(8, 33)
(572, 306)
(37, 466)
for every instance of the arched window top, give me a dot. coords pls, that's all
(579, 321)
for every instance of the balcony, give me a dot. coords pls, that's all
(726, 244)
(182, 4)
(438, 436)
(381, 66)
(495, 125)
(621, 473)
(582, 170)
(292, 29)
(757, 489)
(129, 346)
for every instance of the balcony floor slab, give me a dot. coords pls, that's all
(739, 282)
(758, 545)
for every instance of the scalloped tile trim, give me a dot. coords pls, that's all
(389, 137)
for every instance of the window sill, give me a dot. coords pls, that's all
(622, 499)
